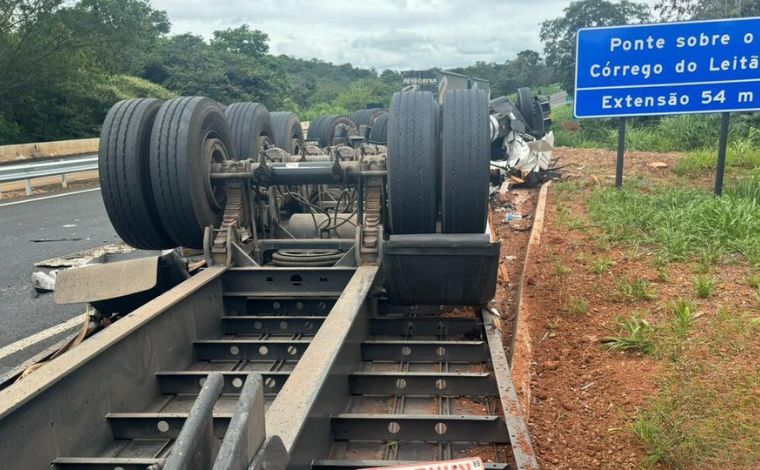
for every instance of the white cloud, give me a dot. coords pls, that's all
(396, 34)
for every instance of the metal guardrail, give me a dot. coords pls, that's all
(559, 99)
(39, 169)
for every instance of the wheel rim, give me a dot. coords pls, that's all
(295, 145)
(263, 142)
(214, 151)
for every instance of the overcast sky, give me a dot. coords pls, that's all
(396, 34)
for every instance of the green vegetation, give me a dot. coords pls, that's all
(706, 410)
(703, 286)
(84, 56)
(558, 34)
(676, 10)
(561, 270)
(742, 153)
(681, 221)
(63, 64)
(528, 68)
(602, 265)
(662, 275)
(754, 281)
(683, 316)
(633, 290)
(578, 306)
(706, 413)
(569, 219)
(636, 334)
(694, 133)
(709, 256)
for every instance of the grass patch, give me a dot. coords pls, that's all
(682, 222)
(742, 153)
(683, 316)
(663, 275)
(706, 413)
(578, 306)
(754, 281)
(602, 265)
(561, 270)
(748, 187)
(665, 134)
(636, 334)
(670, 337)
(709, 256)
(569, 219)
(633, 290)
(704, 286)
(635, 253)
(692, 424)
(569, 186)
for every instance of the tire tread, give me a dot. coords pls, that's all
(124, 174)
(465, 158)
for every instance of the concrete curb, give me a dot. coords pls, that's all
(60, 148)
(521, 350)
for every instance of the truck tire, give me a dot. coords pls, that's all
(525, 105)
(251, 128)
(539, 125)
(326, 128)
(124, 173)
(412, 162)
(313, 130)
(188, 134)
(379, 132)
(288, 134)
(366, 117)
(465, 161)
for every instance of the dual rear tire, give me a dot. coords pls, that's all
(412, 162)
(366, 117)
(190, 134)
(288, 134)
(332, 130)
(155, 162)
(124, 173)
(465, 161)
(379, 132)
(438, 155)
(251, 127)
(155, 165)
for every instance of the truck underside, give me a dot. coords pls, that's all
(334, 315)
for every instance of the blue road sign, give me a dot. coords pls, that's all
(668, 68)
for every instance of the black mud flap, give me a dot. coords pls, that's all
(441, 269)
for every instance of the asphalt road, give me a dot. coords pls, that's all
(33, 230)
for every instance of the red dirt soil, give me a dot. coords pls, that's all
(583, 396)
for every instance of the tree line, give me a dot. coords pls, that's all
(64, 63)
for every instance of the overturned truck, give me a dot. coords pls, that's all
(327, 308)
(521, 135)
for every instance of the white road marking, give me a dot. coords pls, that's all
(50, 197)
(24, 343)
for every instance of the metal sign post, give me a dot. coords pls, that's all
(721, 167)
(669, 68)
(620, 155)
